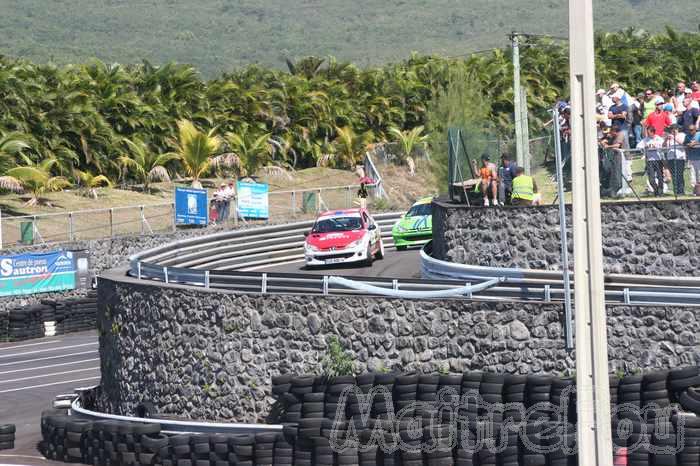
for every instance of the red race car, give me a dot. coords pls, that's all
(341, 236)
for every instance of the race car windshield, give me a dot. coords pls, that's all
(419, 210)
(329, 225)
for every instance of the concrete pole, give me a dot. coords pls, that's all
(592, 383)
(517, 104)
(525, 130)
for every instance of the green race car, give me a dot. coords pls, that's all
(416, 227)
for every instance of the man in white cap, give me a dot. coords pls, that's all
(604, 104)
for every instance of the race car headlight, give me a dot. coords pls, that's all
(311, 248)
(354, 244)
(399, 228)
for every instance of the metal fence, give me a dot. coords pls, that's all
(636, 173)
(157, 218)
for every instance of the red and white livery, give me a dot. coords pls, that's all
(342, 236)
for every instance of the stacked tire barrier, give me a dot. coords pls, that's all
(49, 318)
(7, 436)
(411, 420)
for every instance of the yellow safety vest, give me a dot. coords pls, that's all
(523, 188)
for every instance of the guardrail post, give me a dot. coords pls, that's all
(165, 273)
(547, 294)
(173, 216)
(70, 226)
(143, 221)
(348, 202)
(325, 285)
(0, 229)
(395, 284)
(294, 204)
(234, 205)
(318, 201)
(263, 285)
(206, 279)
(626, 294)
(469, 292)
(111, 222)
(138, 270)
(34, 229)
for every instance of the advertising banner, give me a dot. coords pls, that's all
(191, 206)
(37, 273)
(252, 200)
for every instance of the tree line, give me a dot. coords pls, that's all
(97, 124)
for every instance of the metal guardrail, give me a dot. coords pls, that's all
(549, 285)
(171, 426)
(219, 262)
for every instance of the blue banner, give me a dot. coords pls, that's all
(252, 199)
(37, 273)
(191, 206)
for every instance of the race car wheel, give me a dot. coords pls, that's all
(380, 253)
(370, 256)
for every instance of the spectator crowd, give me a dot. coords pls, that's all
(661, 124)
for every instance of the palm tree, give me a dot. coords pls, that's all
(144, 164)
(90, 182)
(252, 152)
(195, 150)
(349, 147)
(408, 140)
(11, 145)
(35, 178)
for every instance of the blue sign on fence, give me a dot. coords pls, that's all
(37, 273)
(191, 206)
(252, 200)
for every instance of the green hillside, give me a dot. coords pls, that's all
(217, 35)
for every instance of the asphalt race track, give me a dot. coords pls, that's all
(396, 264)
(32, 373)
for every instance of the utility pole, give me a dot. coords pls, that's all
(592, 383)
(520, 109)
(517, 105)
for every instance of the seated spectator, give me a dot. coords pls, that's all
(525, 190)
(692, 143)
(651, 145)
(489, 180)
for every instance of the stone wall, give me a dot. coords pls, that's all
(645, 238)
(211, 355)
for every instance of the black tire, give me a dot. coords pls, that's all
(684, 372)
(401, 248)
(689, 403)
(7, 445)
(7, 437)
(370, 257)
(7, 429)
(678, 385)
(379, 256)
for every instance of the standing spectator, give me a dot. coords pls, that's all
(636, 120)
(675, 156)
(489, 180)
(220, 201)
(651, 145)
(668, 108)
(618, 115)
(614, 164)
(659, 119)
(691, 115)
(230, 197)
(695, 87)
(649, 103)
(678, 99)
(506, 175)
(692, 142)
(604, 104)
